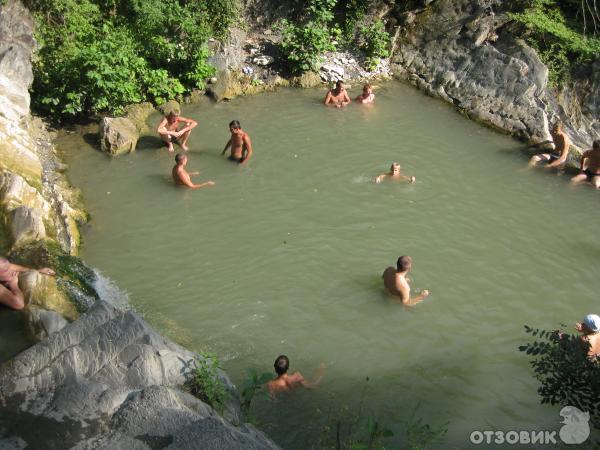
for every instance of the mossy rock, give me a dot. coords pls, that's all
(138, 114)
(73, 277)
(170, 106)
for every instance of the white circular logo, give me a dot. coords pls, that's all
(576, 428)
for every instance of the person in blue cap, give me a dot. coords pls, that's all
(590, 333)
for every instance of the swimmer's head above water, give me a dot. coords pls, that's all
(180, 158)
(234, 125)
(282, 364)
(404, 264)
(395, 168)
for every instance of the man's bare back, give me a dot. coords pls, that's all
(396, 282)
(182, 177)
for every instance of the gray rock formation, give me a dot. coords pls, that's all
(461, 51)
(108, 380)
(118, 135)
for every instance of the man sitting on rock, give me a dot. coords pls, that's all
(561, 149)
(169, 130)
(285, 382)
(182, 177)
(10, 294)
(337, 96)
(590, 173)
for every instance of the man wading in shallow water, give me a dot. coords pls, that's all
(169, 131)
(10, 294)
(240, 143)
(182, 177)
(338, 96)
(561, 149)
(285, 382)
(394, 279)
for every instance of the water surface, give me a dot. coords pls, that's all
(285, 256)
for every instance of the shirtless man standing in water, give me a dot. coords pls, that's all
(590, 173)
(182, 177)
(285, 382)
(561, 149)
(394, 174)
(394, 279)
(240, 143)
(169, 131)
(337, 96)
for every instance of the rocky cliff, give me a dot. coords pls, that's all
(466, 53)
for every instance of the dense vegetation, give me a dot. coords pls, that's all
(99, 55)
(566, 34)
(567, 376)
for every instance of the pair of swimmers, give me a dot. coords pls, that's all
(589, 168)
(338, 96)
(241, 151)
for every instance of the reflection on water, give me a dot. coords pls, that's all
(285, 256)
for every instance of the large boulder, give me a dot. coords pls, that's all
(42, 291)
(15, 192)
(26, 225)
(108, 380)
(118, 135)
(138, 114)
(172, 106)
(307, 80)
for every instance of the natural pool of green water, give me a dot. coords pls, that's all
(285, 256)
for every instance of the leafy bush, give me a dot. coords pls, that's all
(303, 43)
(558, 37)
(99, 55)
(204, 382)
(250, 386)
(566, 374)
(375, 42)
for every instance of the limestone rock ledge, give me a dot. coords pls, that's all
(109, 381)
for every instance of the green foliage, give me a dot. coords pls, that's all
(250, 386)
(566, 374)
(204, 381)
(99, 55)
(419, 435)
(375, 42)
(355, 11)
(558, 38)
(303, 43)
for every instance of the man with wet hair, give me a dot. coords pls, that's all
(169, 130)
(394, 174)
(182, 177)
(396, 281)
(337, 96)
(10, 294)
(240, 143)
(590, 173)
(285, 382)
(561, 149)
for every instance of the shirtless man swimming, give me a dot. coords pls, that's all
(394, 174)
(285, 382)
(367, 95)
(337, 96)
(590, 334)
(394, 279)
(10, 294)
(240, 143)
(182, 177)
(169, 130)
(590, 173)
(561, 149)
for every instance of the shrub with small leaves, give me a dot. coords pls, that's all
(374, 42)
(204, 382)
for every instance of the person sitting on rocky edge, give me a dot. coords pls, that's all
(182, 177)
(591, 171)
(367, 95)
(286, 382)
(561, 149)
(589, 328)
(394, 174)
(396, 281)
(10, 294)
(170, 131)
(337, 96)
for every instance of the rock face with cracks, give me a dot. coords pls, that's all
(108, 380)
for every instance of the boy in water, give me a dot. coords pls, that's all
(561, 149)
(240, 143)
(285, 382)
(182, 177)
(589, 328)
(394, 174)
(337, 96)
(396, 281)
(169, 130)
(10, 294)
(592, 172)
(367, 95)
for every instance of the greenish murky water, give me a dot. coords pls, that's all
(285, 256)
